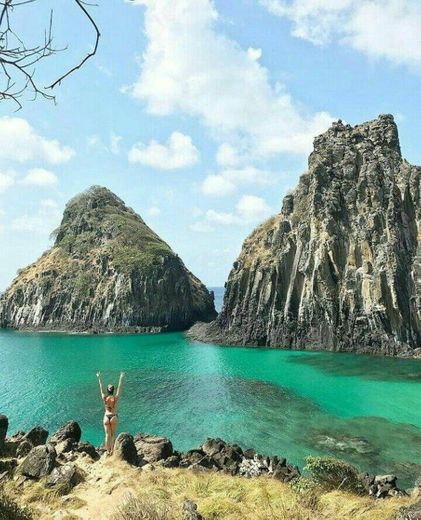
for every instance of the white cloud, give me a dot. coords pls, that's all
(227, 155)
(39, 177)
(7, 179)
(389, 29)
(201, 227)
(218, 186)
(207, 75)
(249, 210)
(153, 211)
(43, 221)
(254, 54)
(19, 142)
(228, 181)
(178, 152)
(115, 143)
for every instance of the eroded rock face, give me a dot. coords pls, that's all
(107, 271)
(40, 461)
(340, 267)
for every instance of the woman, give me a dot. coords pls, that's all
(110, 417)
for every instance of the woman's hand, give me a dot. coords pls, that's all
(98, 374)
(122, 374)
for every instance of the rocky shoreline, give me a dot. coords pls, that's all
(37, 456)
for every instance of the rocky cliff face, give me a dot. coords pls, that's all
(340, 267)
(106, 271)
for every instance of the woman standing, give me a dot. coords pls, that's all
(110, 416)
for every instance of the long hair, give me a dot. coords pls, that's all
(110, 389)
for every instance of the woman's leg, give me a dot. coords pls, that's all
(107, 430)
(113, 428)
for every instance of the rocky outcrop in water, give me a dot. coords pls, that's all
(107, 271)
(339, 268)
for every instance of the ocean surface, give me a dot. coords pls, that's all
(364, 409)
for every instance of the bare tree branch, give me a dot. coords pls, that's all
(18, 60)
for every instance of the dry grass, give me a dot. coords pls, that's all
(120, 491)
(221, 496)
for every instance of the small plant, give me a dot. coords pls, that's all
(330, 473)
(10, 510)
(138, 509)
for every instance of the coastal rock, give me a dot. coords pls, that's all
(8, 466)
(339, 268)
(107, 271)
(152, 448)
(40, 462)
(190, 511)
(4, 425)
(69, 431)
(88, 448)
(125, 449)
(412, 512)
(37, 436)
(64, 478)
(23, 449)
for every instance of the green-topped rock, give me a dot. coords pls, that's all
(107, 271)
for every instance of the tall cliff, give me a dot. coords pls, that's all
(106, 271)
(339, 268)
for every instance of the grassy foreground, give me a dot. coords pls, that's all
(113, 490)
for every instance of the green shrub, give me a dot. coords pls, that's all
(331, 473)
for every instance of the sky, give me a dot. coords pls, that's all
(199, 114)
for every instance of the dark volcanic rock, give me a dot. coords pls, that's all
(340, 267)
(37, 436)
(65, 478)
(40, 461)
(107, 271)
(87, 447)
(69, 431)
(23, 448)
(125, 448)
(4, 424)
(152, 448)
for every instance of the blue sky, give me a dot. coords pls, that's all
(199, 114)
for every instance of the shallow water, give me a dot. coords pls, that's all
(361, 408)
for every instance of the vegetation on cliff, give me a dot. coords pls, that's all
(106, 271)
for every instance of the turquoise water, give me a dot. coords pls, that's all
(364, 409)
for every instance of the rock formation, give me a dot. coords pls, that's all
(107, 271)
(339, 268)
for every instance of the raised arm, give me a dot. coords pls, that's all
(101, 389)
(120, 384)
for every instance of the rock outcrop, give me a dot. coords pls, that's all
(107, 271)
(339, 268)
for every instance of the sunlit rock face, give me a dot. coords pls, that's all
(339, 268)
(107, 271)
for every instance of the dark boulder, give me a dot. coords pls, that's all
(213, 446)
(8, 466)
(4, 425)
(63, 478)
(190, 511)
(125, 448)
(191, 457)
(70, 430)
(39, 462)
(37, 436)
(87, 447)
(23, 448)
(171, 462)
(152, 448)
